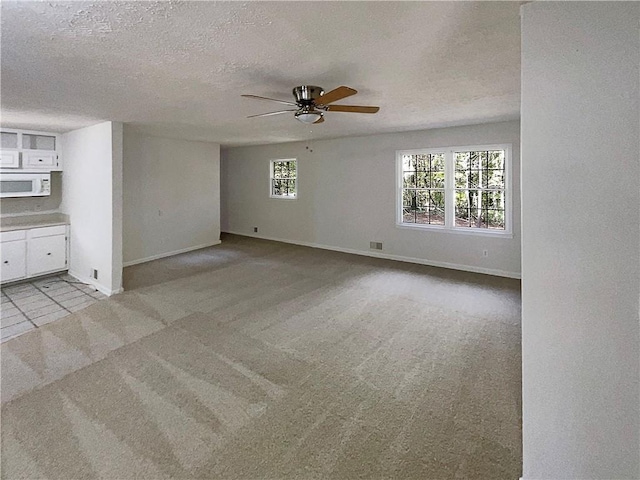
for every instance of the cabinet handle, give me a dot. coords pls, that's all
(6, 261)
(49, 253)
(39, 159)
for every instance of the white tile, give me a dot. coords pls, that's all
(98, 295)
(60, 297)
(59, 289)
(9, 310)
(29, 308)
(80, 306)
(76, 301)
(47, 281)
(87, 288)
(13, 289)
(26, 293)
(46, 310)
(12, 320)
(15, 330)
(43, 320)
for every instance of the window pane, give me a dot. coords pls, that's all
(437, 162)
(493, 200)
(422, 163)
(466, 208)
(277, 187)
(408, 215)
(493, 219)
(9, 140)
(495, 160)
(493, 179)
(38, 142)
(462, 161)
(292, 169)
(408, 180)
(422, 179)
(277, 169)
(430, 207)
(436, 179)
(291, 188)
(407, 198)
(408, 163)
(480, 209)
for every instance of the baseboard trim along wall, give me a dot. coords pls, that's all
(170, 254)
(92, 282)
(386, 256)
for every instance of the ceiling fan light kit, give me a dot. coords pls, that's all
(312, 101)
(308, 116)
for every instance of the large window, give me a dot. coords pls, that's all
(460, 188)
(283, 178)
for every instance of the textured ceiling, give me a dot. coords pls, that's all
(178, 68)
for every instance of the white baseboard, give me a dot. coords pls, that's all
(101, 288)
(400, 258)
(169, 254)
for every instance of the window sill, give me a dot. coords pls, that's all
(456, 231)
(284, 197)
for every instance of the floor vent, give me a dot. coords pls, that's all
(375, 245)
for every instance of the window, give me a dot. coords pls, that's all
(455, 189)
(284, 178)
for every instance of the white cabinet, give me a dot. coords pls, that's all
(30, 150)
(14, 260)
(28, 253)
(9, 159)
(9, 149)
(47, 250)
(40, 160)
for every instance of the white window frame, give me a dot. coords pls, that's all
(449, 188)
(271, 178)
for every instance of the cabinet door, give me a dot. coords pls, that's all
(39, 160)
(14, 260)
(47, 254)
(39, 141)
(9, 159)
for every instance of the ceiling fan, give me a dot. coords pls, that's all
(311, 102)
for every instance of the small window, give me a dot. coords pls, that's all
(284, 178)
(455, 189)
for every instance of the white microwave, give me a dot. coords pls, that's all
(24, 184)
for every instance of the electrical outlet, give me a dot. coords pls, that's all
(485, 253)
(94, 273)
(375, 245)
(255, 229)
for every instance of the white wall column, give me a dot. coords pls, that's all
(580, 240)
(92, 197)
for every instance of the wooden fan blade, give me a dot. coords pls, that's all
(271, 113)
(352, 108)
(284, 102)
(335, 95)
(320, 120)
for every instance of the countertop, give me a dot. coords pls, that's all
(25, 222)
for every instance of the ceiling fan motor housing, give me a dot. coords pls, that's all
(306, 94)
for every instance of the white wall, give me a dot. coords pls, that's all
(92, 181)
(171, 196)
(347, 197)
(581, 239)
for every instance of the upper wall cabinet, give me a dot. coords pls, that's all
(29, 150)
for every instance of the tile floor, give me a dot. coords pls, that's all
(26, 306)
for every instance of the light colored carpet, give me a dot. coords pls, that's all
(260, 360)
